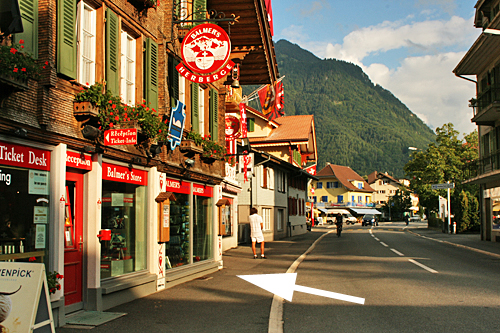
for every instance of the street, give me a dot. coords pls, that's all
(453, 291)
(409, 283)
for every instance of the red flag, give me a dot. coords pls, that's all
(270, 15)
(272, 100)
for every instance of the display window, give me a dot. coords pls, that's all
(24, 203)
(202, 223)
(226, 217)
(124, 214)
(191, 240)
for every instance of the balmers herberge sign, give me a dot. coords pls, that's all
(205, 50)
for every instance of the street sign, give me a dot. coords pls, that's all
(120, 137)
(442, 186)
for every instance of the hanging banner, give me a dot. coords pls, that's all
(311, 169)
(205, 50)
(272, 100)
(176, 126)
(243, 114)
(232, 127)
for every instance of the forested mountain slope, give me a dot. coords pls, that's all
(358, 124)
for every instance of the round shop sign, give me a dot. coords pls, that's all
(232, 127)
(206, 48)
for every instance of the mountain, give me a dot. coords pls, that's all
(358, 124)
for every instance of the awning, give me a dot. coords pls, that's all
(341, 211)
(323, 210)
(363, 211)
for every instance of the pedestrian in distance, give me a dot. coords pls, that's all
(407, 219)
(338, 222)
(256, 226)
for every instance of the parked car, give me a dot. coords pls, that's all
(415, 218)
(369, 219)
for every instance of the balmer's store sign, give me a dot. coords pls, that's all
(205, 50)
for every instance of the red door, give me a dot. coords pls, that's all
(73, 238)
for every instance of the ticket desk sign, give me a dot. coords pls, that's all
(24, 298)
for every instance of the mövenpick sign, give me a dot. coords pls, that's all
(205, 50)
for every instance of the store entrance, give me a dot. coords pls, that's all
(73, 239)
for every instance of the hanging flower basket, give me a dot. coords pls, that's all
(85, 109)
(14, 83)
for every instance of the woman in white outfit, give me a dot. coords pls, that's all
(256, 226)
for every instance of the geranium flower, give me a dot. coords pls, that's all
(117, 118)
(23, 69)
(21, 41)
(13, 50)
(15, 70)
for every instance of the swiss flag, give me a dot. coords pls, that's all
(270, 15)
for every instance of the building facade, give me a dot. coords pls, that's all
(119, 221)
(480, 65)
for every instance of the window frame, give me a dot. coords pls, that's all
(125, 38)
(81, 44)
(266, 218)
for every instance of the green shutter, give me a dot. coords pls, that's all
(250, 124)
(200, 10)
(214, 114)
(195, 107)
(29, 14)
(173, 77)
(151, 72)
(66, 37)
(112, 53)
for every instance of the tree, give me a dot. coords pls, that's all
(445, 161)
(397, 204)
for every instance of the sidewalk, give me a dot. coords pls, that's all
(218, 302)
(471, 242)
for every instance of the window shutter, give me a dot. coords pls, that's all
(112, 55)
(66, 38)
(173, 77)
(266, 176)
(250, 124)
(214, 114)
(29, 14)
(195, 107)
(151, 73)
(200, 10)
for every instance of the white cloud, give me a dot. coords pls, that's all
(428, 87)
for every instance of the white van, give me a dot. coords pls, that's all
(347, 216)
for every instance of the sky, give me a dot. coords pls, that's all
(409, 47)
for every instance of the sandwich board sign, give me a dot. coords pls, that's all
(24, 298)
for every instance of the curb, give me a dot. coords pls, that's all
(457, 245)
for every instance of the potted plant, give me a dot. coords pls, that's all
(192, 143)
(152, 126)
(212, 150)
(16, 67)
(89, 100)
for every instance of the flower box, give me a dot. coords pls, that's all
(13, 84)
(189, 146)
(85, 109)
(128, 125)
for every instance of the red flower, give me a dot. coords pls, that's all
(86, 83)
(111, 113)
(117, 118)
(81, 88)
(113, 106)
(160, 130)
(110, 125)
(52, 290)
(125, 115)
(32, 259)
(22, 46)
(58, 287)
(15, 70)
(13, 50)
(21, 41)
(46, 63)
(23, 69)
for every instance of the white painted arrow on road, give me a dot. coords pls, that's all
(283, 285)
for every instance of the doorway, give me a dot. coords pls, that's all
(73, 241)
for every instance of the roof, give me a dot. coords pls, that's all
(290, 128)
(375, 175)
(345, 175)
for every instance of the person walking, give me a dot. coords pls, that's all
(256, 226)
(338, 222)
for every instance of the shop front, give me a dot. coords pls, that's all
(24, 203)
(189, 248)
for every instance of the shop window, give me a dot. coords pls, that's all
(24, 213)
(178, 249)
(124, 212)
(225, 213)
(202, 228)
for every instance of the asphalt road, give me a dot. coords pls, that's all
(410, 284)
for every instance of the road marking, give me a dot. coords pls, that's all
(397, 252)
(284, 285)
(276, 314)
(378, 240)
(422, 265)
(384, 244)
